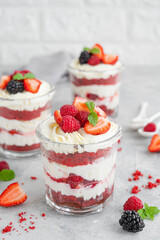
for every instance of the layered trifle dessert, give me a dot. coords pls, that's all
(24, 102)
(95, 76)
(79, 146)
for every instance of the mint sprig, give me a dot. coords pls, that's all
(91, 50)
(148, 212)
(29, 75)
(92, 117)
(7, 175)
(18, 76)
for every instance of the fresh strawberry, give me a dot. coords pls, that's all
(79, 103)
(155, 144)
(4, 81)
(101, 52)
(101, 127)
(12, 195)
(93, 60)
(32, 85)
(58, 117)
(150, 127)
(109, 59)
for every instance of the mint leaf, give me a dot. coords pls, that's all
(29, 75)
(154, 210)
(86, 49)
(7, 175)
(90, 105)
(141, 212)
(94, 50)
(18, 76)
(93, 118)
(148, 212)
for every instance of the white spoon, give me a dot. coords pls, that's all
(139, 120)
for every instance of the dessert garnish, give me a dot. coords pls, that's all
(12, 195)
(81, 114)
(148, 212)
(135, 190)
(131, 221)
(20, 81)
(150, 127)
(133, 203)
(5, 173)
(95, 55)
(3, 165)
(155, 144)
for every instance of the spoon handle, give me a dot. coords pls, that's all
(154, 117)
(142, 112)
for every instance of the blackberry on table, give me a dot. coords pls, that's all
(131, 221)
(15, 86)
(84, 57)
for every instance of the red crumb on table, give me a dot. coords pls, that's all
(150, 185)
(129, 179)
(136, 177)
(43, 214)
(8, 228)
(119, 141)
(135, 190)
(33, 178)
(149, 176)
(158, 181)
(119, 149)
(32, 227)
(137, 173)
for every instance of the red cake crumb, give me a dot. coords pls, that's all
(129, 179)
(158, 180)
(43, 214)
(149, 176)
(150, 185)
(33, 178)
(119, 140)
(32, 227)
(32, 222)
(8, 228)
(136, 177)
(137, 173)
(119, 149)
(135, 190)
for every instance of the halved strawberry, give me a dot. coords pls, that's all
(101, 52)
(32, 85)
(58, 117)
(12, 195)
(101, 127)
(79, 103)
(4, 81)
(155, 144)
(109, 59)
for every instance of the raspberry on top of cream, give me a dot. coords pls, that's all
(21, 85)
(80, 123)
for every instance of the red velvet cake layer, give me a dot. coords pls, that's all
(101, 81)
(20, 148)
(75, 159)
(106, 110)
(22, 115)
(79, 203)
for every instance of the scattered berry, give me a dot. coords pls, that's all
(133, 203)
(135, 190)
(7, 229)
(3, 165)
(131, 221)
(82, 117)
(94, 60)
(12, 195)
(158, 181)
(129, 179)
(150, 185)
(68, 110)
(155, 144)
(70, 124)
(4, 81)
(149, 176)
(43, 214)
(32, 85)
(150, 127)
(109, 59)
(15, 86)
(58, 117)
(101, 127)
(137, 173)
(101, 52)
(33, 178)
(84, 57)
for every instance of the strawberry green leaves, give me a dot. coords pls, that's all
(92, 118)
(7, 175)
(148, 212)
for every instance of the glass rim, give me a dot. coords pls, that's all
(34, 98)
(112, 139)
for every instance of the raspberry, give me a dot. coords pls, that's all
(94, 60)
(74, 181)
(70, 124)
(82, 117)
(133, 203)
(3, 165)
(150, 127)
(68, 110)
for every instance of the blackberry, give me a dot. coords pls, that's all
(84, 57)
(131, 221)
(15, 86)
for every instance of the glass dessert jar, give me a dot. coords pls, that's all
(19, 118)
(79, 178)
(100, 83)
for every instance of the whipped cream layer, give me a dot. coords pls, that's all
(98, 71)
(26, 100)
(53, 132)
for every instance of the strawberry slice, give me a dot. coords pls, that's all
(110, 59)
(4, 81)
(79, 103)
(12, 195)
(101, 52)
(32, 85)
(155, 144)
(101, 127)
(58, 117)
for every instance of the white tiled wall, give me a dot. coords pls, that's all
(130, 28)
